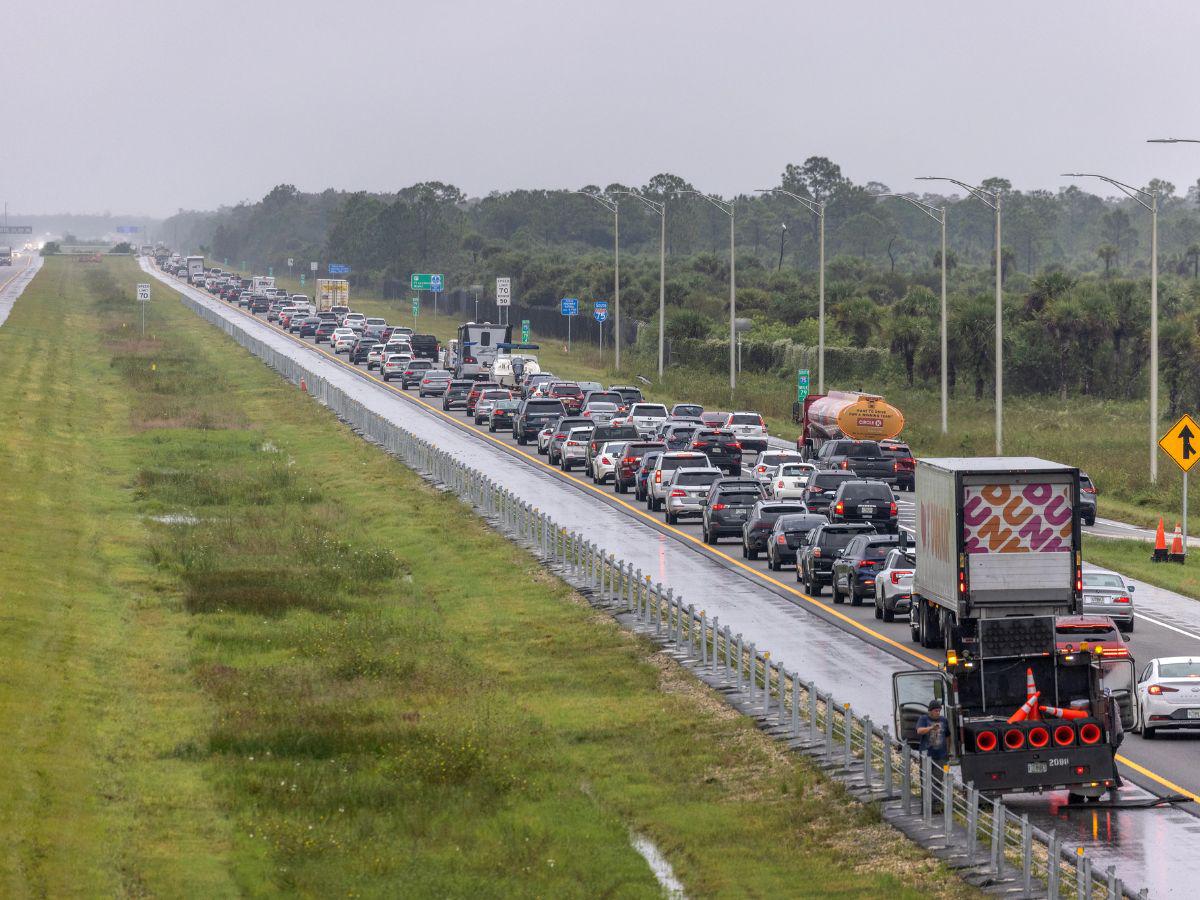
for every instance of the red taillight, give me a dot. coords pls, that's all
(559, 436)
(718, 506)
(736, 445)
(1122, 600)
(573, 444)
(866, 563)
(896, 466)
(845, 464)
(1064, 736)
(761, 469)
(893, 507)
(1014, 739)
(895, 578)
(839, 508)
(780, 484)
(1090, 733)
(1159, 689)
(781, 540)
(962, 581)
(678, 493)
(658, 477)
(1089, 490)
(605, 460)
(1081, 770)
(628, 460)
(1039, 737)
(587, 413)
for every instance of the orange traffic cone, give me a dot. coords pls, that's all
(1160, 544)
(1023, 713)
(1059, 713)
(1176, 554)
(1030, 690)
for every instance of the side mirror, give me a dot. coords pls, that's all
(1130, 588)
(1125, 637)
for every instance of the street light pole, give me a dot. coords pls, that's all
(817, 208)
(1148, 200)
(991, 199)
(613, 207)
(938, 215)
(661, 209)
(728, 209)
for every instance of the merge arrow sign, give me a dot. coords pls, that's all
(1178, 444)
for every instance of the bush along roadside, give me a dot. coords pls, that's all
(407, 703)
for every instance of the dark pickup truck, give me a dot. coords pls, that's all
(863, 458)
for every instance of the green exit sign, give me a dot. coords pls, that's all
(801, 385)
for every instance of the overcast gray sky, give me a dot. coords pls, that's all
(140, 107)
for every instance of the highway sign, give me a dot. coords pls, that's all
(503, 291)
(270, 271)
(290, 261)
(1182, 442)
(338, 269)
(416, 306)
(128, 229)
(428, 282)
(524, 331)
(312, 267)
(600, 310)
(569, 306)
(301, 279)
(16, 229)
(143, 293)
(801, 385)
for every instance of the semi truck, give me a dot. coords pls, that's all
(844, 414)
(6, 256)
(332, 292)
(260, 284)
(998, 559)
(195, 268)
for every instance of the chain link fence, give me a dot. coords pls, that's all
(989, 843)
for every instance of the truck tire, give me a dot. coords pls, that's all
(834, 592)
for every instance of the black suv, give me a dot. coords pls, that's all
(854, 568)
(814, 559)
(721, 447)
(818, 495)
(787, 537)
(456, 393)
(358, 353)
(865, 501)
(678, 435)
(535, 414)
(758, 524)
(727, 507)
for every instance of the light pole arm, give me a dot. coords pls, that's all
(1127, 189)
(724, 207)
(990, 199)
(610, 205)
(938, 214)
(816, 207)
(660, 208)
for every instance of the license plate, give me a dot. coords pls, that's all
(867, 510)
(1096, 598)
(1036, 768)
(1193, 713)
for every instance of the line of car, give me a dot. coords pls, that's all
(819, 516)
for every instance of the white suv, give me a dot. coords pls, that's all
(604, 463)
(394, 365)
(646, 417)
(893, 585)
(750, 429)
(790, 481)
(658, 480)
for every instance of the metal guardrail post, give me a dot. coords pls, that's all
(728, 650)
(1026, 855)
(997, 838)
(972, 819)
(738, 660)
(926, 789)
(703, 642)
(1053, 862)
(829, 726)
(781, 672)
(889, 776)
(947, 801)
(753, 667)
(848, 729)
(906, 777)
(813, 702)
(691, 629)
(868, 747)
(795, 706)
(1114, 883)
(712, 656)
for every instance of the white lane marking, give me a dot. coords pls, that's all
(1141, 615)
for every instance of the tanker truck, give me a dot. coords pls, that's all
(998, 559)
(842, 430)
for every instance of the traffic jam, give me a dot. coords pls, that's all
(1039, 682)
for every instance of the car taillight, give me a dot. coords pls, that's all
(1159, 689)
(962, 581)
(716, 506)
(572, 443)
(604, 460)
(895, 578)
(845, 464)
(839, 508)
(893, 507)
(628, 460)
(658, 477)
(866, 563)
(760, 469)
(1089, 490)
(781, 540)
(678, 493)
(697, 445)
(896, 466)
(559, 436)
(1122, 600)
(736, 445)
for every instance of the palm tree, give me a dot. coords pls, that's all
(1108, 253)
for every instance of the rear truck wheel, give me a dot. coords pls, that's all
(833, 590)
(922, 627)
(771, 564)
(814, 586)
(745, 555)
(620, 488)
(709, 538)
(1149, 733)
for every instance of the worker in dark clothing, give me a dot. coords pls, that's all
(931, 728)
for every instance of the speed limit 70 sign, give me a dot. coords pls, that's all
(143, 293)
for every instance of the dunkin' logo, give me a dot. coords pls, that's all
(1006, 518)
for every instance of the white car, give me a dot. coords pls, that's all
(790, 481)
(374, 357)
(1168, 694)
(394, 365)
(658, 480)
(604, 463)
(574, 448)
(646, 417)
(893, 584)
(750, 429)
(543, 440)
(769, 460)
(600, 412)
(375, 322)
(355, 320)
(393, 346)
(343, 343)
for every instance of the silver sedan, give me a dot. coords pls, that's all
(1108, 594)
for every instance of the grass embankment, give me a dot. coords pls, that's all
(1132, 558)
(1106, 438)
(322, 676)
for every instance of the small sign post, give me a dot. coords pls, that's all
(143, 295)
(312, 267)
(416, 305)
(569, 307)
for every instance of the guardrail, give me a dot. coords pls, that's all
(987, 842)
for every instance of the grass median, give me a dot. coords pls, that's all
(248, 653)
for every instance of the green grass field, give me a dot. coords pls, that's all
(248, 654)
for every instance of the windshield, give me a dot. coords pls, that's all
(745, 419)
(687, 409)
(866, 491)
(671, 463)
(1099, 580)
(1189, 669)
(1084, 629)
(857, 449)
(794, 471)
(830, 480)
(775, 459)
(878, 551)
(649, 410)
(694, 479)
(837, 540)
(895, 450)
(740, 498)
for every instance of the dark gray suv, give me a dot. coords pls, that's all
(727, 507)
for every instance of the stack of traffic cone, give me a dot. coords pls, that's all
(1176, 554)
(1024, 712)
(1160, 544)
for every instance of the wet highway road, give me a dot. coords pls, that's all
(13, 280)
(804, 633)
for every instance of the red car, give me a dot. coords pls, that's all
(569, 393)
(478, 388)
(625, 474)
(1079, 633)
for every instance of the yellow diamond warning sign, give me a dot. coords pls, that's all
(1182, 443)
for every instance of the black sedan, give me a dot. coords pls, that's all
(854, 568)
(787, 535)
(503, 413)
(308, 327)
(759, 523)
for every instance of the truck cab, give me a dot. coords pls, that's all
(1081, 698)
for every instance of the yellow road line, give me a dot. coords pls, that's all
(1142, 770)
